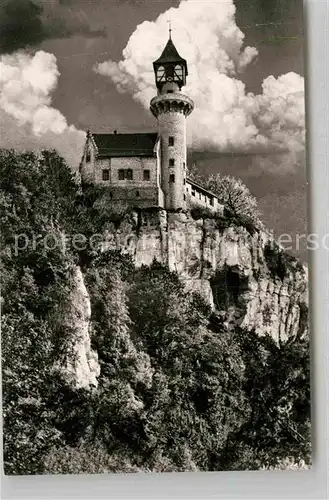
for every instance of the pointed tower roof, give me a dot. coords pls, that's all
(170, 55)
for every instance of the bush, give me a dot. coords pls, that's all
(86, 459)
(201, 213)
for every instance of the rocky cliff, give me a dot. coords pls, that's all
(245, 276)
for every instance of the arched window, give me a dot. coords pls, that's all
(178, 72)
(160, 73)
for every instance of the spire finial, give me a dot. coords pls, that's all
(170, 29)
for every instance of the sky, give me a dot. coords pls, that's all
(71, 65)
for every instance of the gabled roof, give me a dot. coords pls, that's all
(111, 145)
(170, 55)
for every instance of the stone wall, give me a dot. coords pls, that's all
(173, 124)
(132, 196)
(136, 164)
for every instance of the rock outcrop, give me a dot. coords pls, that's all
(82, 367)
(245, 276)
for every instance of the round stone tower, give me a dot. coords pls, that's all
(171, 108)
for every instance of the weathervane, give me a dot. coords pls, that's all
(170, 29)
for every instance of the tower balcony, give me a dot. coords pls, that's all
(171, 102)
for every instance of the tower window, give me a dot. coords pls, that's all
(146, 175)
(111, 195)
(184, 164)
(178, 72)
(106, 175)
(184, 197)
(184, 181)
(171, 141)
(161, 73)
(129, 174)
(171, 162)
(172, 178)
(121, 174)
(137, 194)
(88, 156)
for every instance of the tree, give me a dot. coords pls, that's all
(196, 396)
(37, 191)
(125, 370)
(277, 387)
(235, 196)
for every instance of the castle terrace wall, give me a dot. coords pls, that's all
(132, 196)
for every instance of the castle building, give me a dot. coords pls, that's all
(150, 169)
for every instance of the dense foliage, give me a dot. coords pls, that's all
(240, 206)
(176, 392)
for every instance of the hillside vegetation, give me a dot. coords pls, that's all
(176, 390)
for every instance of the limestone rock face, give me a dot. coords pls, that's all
(246, 275)
(83, 366)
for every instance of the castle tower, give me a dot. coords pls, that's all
(171, 108)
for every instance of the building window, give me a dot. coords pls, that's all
(184, 197)
(211, 201)
(170, 91)
(184, 164)
(88, 156)
(106, 175)
(193, 192)
(129, 174)
(171, 141)
(137, 194)
(184, 182)
(171, 162)
(121, 174)
(146, 175)
(172, 178)
(111, 195)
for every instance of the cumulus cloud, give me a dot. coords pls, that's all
(226, 117)
(26, 116)
(25, 23)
